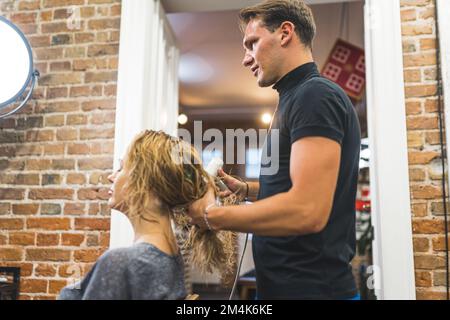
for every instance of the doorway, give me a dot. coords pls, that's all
(392, 248)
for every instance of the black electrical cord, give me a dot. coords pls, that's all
(443, 154)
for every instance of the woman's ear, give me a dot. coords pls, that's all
(287, 30)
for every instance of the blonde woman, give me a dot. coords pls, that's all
(158, 180)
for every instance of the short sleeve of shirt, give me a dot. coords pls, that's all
(316, 111)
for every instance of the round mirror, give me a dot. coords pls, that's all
(16, 67)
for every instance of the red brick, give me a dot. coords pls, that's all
(22, 238)
(420, 91)
(97, 50)
(78, 148)
(75, 178)
(427, 44)
(33, 285)
(40, 194)
(66, 134)
(47, 54)
(423, 279)
(63, 164)
(421, 244)
(104, 239)
(415, 139)
(56, 255)
(39, 41)
(48, 223)
(61, 66)
(11, 194)
(87, 255)
(429, 262)
(11, 224)
(47, 239)
(45, 270)
(25, 209)
(416, 29)
(427, 226)
(20, 179)
(103, 77)
(55, 286)
(40, 135)
(29, 150)
(74, 208)
(54, 121)
(408, 15)
(72, 239)
(431, 295)
(93, 194)
(92, 240)
(49, 179)
(102, 24)
(103, 118)
(439, 243)
(426, 191)
(60, 79)
(427, 13)
(50, 209)
(419, 209)
(426, 122)
(70, 270)
(37, 164)
(98, 104)
(3, 239)
(84, 37)
(29, 5)
(86, 134)
(421, 157)
(11, 254)
(412, 75)
(76, 119)
(92, 223)
(95, 164)
(23, 17)
(5, 208)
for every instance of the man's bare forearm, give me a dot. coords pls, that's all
(283, 214)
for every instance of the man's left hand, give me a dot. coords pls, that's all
(197, 209)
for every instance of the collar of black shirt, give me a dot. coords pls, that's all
(295, 77)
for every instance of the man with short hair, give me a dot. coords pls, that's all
(304, 218)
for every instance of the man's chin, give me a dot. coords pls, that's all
(264, 83)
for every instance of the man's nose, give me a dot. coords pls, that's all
(248, 60)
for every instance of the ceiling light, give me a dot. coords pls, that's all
(266, 118)
(182, 119)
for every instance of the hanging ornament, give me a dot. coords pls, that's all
(346, 64)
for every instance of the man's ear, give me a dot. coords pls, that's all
(287, 30)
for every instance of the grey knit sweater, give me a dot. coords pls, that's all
(139, 272)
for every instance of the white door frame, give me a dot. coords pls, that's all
(389, 177)
(443, 7)
(393, 251)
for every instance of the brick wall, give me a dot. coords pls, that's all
(419, 59)
(56, 153)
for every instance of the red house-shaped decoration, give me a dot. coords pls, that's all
(346, 66)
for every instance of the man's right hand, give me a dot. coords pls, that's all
(234, 185)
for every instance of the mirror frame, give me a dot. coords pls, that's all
(30, 70)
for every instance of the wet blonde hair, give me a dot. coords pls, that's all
(166, 173)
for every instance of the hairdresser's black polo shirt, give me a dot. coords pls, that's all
(314, 266)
